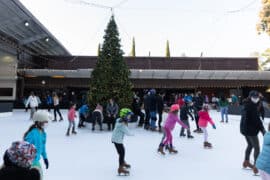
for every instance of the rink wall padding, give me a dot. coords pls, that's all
(236, 110)
(6, 106)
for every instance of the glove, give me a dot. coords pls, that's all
(214, 126)
(46, 162)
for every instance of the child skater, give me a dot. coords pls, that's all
(204, 118)
(184, 113)
(121, 129)
(170, 122)
(263, 161)
(71, 119)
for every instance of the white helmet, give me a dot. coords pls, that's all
(42, 116)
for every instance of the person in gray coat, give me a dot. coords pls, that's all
(120, 130)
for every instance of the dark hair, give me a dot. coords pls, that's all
(35, 125)
(71, 105)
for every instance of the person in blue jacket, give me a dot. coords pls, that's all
(83, 114)
(36, 135)
(118, 134)
(263, 161)
(49, 102)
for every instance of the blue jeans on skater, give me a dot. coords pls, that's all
(153, 118)
(224, 111)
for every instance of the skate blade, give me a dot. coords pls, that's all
(123, 174)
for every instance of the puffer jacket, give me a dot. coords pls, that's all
(120, 131)
(263, 161)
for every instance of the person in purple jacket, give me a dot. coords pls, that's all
(171, 120)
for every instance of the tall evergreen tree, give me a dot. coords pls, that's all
(110, 78)
(168, 54)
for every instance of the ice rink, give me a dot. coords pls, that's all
(91, 155)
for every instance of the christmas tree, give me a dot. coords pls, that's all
(110, 78)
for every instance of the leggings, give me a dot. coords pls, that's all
(121, 152)
(252, 142)
(168, 139)
(205, 133)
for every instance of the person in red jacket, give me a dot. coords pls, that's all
(71, 119)
(204, 118)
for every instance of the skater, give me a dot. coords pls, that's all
(263, 161)
(184, 112)
(17, 162)
(49, 102)
(160, 107)
(56, 107)
(121, 129)
(204, 118)
(250, 126)
(136, 107)
(83, 115)
(71, 119)
(170, 122)
(223, 104)
(112, 110)
(36, 135)
(198, 103)
(146, 104)
(33, 102)
(153, 109)
(97, 117)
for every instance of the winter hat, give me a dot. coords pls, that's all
(174, 107)
(152, 91)
(42, 116)
(21, 154)
(254, 94)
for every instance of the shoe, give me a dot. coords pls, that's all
(73, 131)
(54, 120)
(182, 135)
(61, 119)
(226, 121)
(122, 171)
(222, 121)
(255, 170)
(93, 129)
(190, 137)
(67, 134)
(172, 150)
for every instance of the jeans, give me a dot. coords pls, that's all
(224, 111)
(153, 118)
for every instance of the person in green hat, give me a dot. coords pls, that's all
(120, 130)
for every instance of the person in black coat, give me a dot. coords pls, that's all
(184, 113)
(136, 109)
(146, 104)
(160, 107)
(250, 126)
(198, 101)
(153, 109)
(17, 162)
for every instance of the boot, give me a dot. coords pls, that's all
(172, 150)
(246, 164)
(122, 170)
(126, 165)
(67, 134)
(73, 131)
(61, 118)
(160, 149)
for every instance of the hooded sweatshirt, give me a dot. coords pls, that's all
(171, 120)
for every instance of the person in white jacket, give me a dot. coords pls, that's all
(33, 102)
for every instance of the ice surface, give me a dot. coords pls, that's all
(91, 155)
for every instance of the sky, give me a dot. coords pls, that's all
(223, 28)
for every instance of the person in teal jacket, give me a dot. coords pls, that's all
(36, 135)
(120, 130)
(263, 161)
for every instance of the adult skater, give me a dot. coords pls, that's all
(17, 162)
(33, 102)
(224, 105)
(83, 114)
(170, 122)
(97, 117)
(198, 103)
(250, 126)
(120, 130)
(56, 107)
(36, 135)
(153, 109)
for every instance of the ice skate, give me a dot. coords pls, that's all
(246, 164)
(73, 131)
(122, 171)
(182, 135)
(255, 171)
(207, 145)
(172, 150)
(67, 134)
(126, 165)
(190, 137)
(160, 150)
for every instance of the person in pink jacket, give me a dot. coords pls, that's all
(169, 125)
(71, 119)
(204, 118)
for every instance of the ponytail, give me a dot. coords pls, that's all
(30, 129)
